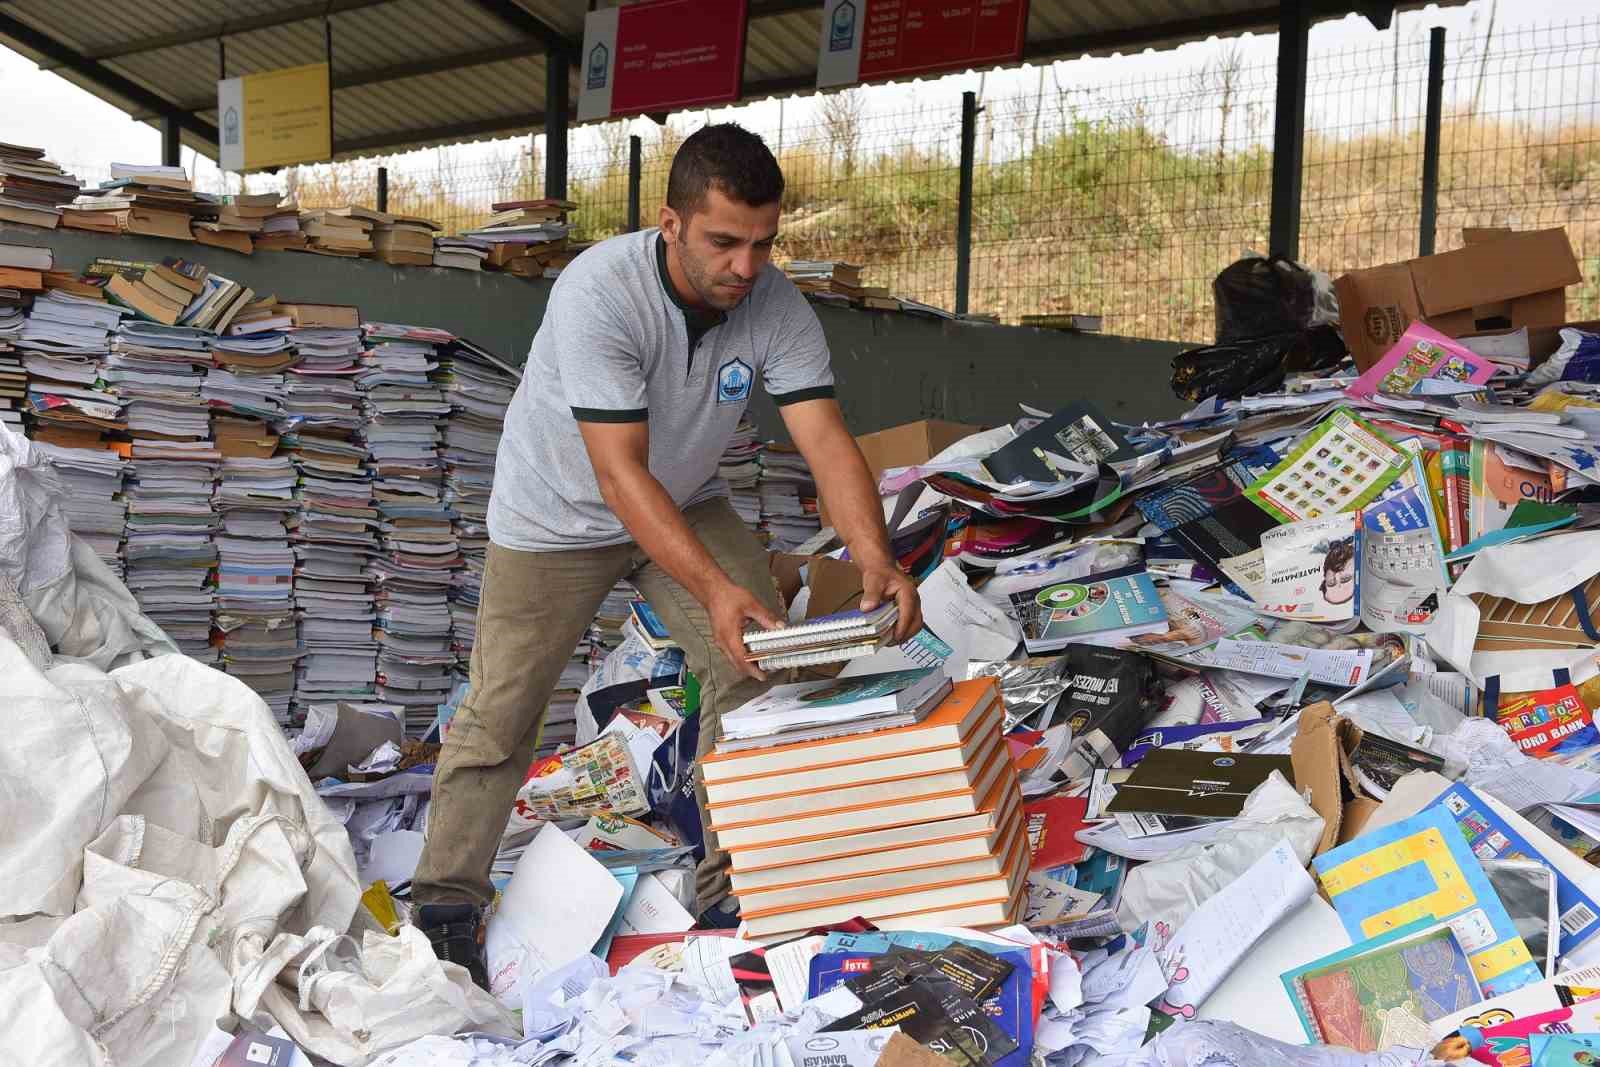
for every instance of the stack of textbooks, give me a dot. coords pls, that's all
(478, 387)
(31, 186)
(62, 342)
(92, 478)
(828, 639)
(402, 239)
(909, 826)
(740, 467)
(404, 414)
(788, 498)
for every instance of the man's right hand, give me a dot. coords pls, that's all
(730, 608)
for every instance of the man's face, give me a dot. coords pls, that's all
(721, 247)
(1340, 585)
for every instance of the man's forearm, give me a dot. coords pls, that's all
(852, 497)
(649, 513)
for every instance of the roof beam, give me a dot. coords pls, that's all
(107, 79)
(454, 131)
(231, 27)
(527, 23)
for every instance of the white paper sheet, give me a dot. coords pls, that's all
(394, 857)
(654, 910)
(1253, 995)
(557, 904)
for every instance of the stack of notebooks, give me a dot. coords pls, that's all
(478, 387)
(159, 371)
(23, 267)
(910, 826)
(404, 413)
(827, 639)
(31, 186)
(335, 535)
(460, 253)
(280, 231)
(254, 626)
(788, 498)
(62, 342)
(13, 375)
(740, 467)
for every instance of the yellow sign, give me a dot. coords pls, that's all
(275, 118)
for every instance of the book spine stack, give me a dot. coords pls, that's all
(828, 841)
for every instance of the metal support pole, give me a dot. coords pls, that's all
(1430, 143)
(171, 145)
(1289, 128)
(635, 165)
(556, 101)
(969, 140)
(383, 188)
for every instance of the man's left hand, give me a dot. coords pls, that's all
(885, 583)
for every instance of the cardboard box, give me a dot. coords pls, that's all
(835, 584)
(1497, 281)
(1543, 340)
(901, 446)
(1320, 754)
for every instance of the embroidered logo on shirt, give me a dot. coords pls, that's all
(733, 381)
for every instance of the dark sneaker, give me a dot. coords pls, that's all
(456, 933)
(723, 915)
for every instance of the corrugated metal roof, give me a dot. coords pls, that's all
(413, 73)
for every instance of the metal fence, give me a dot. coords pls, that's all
(1119, 197)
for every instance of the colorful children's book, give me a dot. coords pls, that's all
(1385, 990)
(1114, 604)
(1421, 867)
(1421, 355)
(1342, 464)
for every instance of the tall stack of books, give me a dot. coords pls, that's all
(402, 239)
(62, 342)
(854, 797)
(335, 535)
(740, 467)
(788, 498)
(478, 387)
(253, 627)
(31, 186)
(149, 200)
(404, 413)
(13, 376)
(159, 371)
(525, 237)
(93, 504)
(330, 233)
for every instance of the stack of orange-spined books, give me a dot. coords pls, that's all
(912, 827)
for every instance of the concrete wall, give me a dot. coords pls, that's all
(891, 368)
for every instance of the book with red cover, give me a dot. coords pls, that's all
(1053, 823)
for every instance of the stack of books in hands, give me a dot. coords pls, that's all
(828, 639)
(854, 811)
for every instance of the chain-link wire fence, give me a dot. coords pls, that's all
(1099, 194)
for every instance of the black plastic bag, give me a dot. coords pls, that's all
(1258, 365)
(1256, 297)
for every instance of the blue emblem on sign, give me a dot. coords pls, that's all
(733, 382)
(842, 31)
(599, 57)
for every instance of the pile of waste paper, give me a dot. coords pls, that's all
(1264, 735)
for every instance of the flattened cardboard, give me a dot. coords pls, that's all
(1502, 281)
(904, 445)
(1320, 754)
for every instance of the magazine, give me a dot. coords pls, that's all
(1341, 465)
(1310, 569)
(1402, 571)
(1088, 610)
(1422, 355)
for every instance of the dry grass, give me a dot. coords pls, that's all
(1101, 216)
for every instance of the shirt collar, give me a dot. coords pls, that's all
(700, 318)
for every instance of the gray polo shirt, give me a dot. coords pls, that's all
(615, 346)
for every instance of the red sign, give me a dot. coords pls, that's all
(875, 40)
(660, 56)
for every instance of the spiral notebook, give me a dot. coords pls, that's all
(839, 627)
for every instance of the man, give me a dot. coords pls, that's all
(634, 384)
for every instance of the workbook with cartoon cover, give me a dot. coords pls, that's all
(1342, 464)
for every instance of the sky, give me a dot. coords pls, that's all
(81, 132)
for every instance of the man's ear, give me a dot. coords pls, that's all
(671, 225)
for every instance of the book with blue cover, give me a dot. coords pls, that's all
(1422, 867)
(1090, 610)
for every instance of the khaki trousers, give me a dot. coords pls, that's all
(534, 609)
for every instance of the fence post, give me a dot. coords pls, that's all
(556, 100)
(1289, 127)
(635, 148)
(1430, 143)
(383, 188)
(969, 138)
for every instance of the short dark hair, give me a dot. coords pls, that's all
(726, 155)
